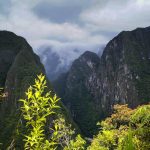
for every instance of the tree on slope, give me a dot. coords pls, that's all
(38, 106)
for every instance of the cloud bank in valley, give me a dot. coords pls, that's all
(68, 28)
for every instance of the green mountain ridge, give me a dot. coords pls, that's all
(19, 67)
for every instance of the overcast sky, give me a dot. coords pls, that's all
(66, 25)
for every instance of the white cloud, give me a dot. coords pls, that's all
(115, 16)
(38, 31)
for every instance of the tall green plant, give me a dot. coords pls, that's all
(126, 142)
(37, 106)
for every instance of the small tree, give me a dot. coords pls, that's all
(64, 135)
(37, 106)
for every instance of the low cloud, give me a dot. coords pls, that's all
(117, 16)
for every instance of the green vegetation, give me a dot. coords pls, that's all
(37, 108)
(75, 91)
(136, 56)
(83, 107)
(43, 127)
(10, 114)
(126, 129)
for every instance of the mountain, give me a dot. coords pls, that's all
(75, 94)
(19, 67)
(120, 76)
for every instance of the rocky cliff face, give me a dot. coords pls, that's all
(122, 75)
(73, 89)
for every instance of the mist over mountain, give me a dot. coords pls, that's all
(74, 65)
(57, 62)
(53, 63)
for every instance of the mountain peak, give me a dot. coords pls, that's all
(89, 54)
(7, 32)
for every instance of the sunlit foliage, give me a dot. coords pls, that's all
(37, 107)
(126, 129)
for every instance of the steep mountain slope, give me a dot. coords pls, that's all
(19, 66)
(121, 75)
(72, 88)
(124, 70)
